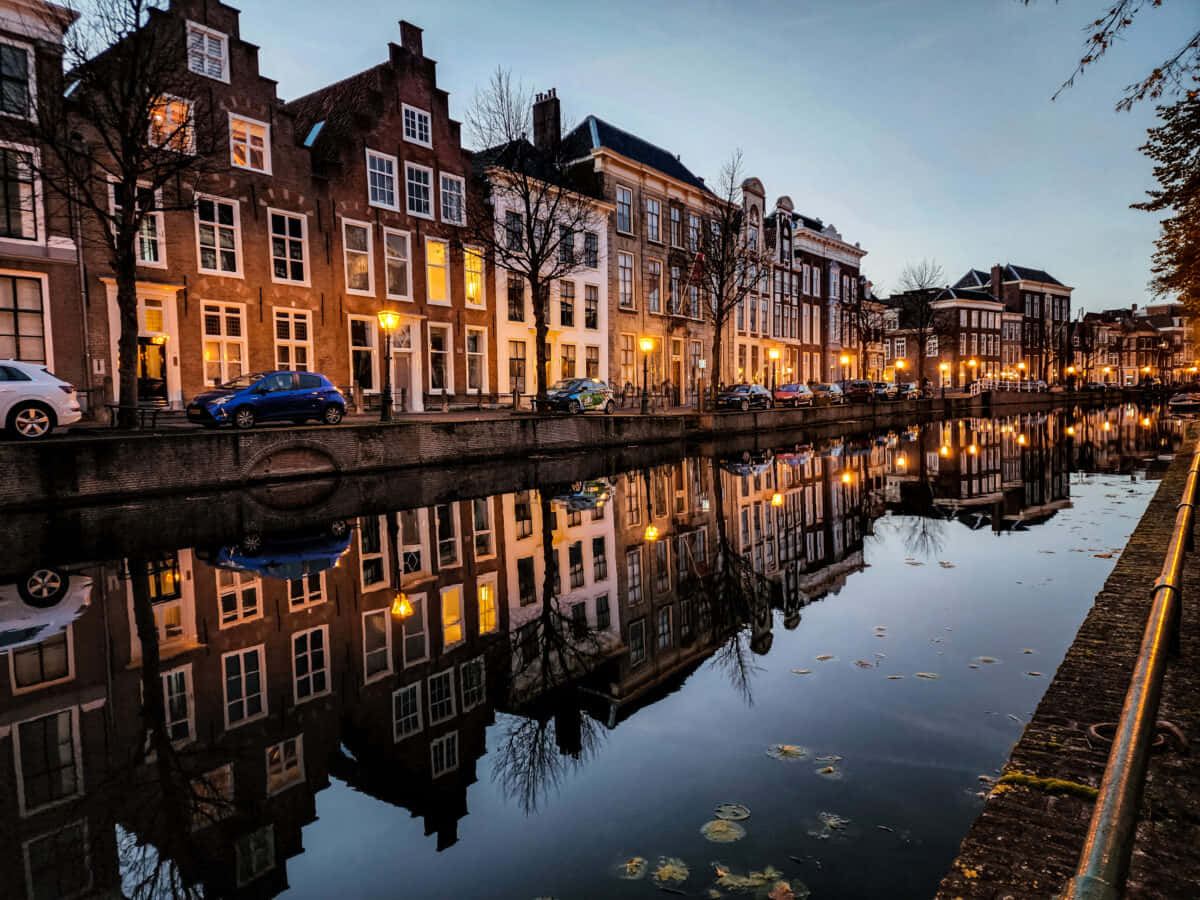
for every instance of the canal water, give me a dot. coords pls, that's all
(761, 672)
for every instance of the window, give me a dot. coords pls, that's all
(523, 514)
(592, 362)
(406, 711)
(288, 243)
(453, 199)
(901, 348)
(377, 644)
(238, 595)
(663, 638)
(293, 346)
(625, 280)
(206, 51)
(526, 587)
(476, 344)
(218, 236)
(245, 691)
(654, 284)
(255, 854)
(362, 351)
(931, 345)
(47, 756)
(249, 144)
(224, 342)
(57, 864)
(694, 301)
(452, 617)
(381, 179)
(566, 245)
(436, 272)
(45, 663)
(285, 764)
(653, 215)
(441, 697)
(417, 126)
(603, 615)
(481, 525)
(628, 371)
(473, 685)
(172, 125)
(591, 249)
(443, 754)
(371, 553)
(633, 568)
(212, 797)
(599, 559)
(487, 607)
(676, 227)
(624, 209)
(591, 307)
(516, 297)
(693, 232)
(516, 366)
(673, 296)
(447, 534)
(356, 248)
(310, 663)
(637, 642)
(473, 276)
(416, 642)
(18, 185)
(439, 360)
(514, 231)
(179, 704)
(662, 567)
(568, 360)
(575, 562)
(419, 184)
(566, 298)
(305, 591)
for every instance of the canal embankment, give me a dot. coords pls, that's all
(1027, 840)
(100, 467)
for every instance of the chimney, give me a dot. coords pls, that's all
(996, 281)
(410, 38)
(547, 121)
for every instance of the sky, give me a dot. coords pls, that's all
(919, 128)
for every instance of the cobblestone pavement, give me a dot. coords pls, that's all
(1026, 841)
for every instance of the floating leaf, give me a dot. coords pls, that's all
(1034, 674)
(881, 628)
(721, 831)
(928, 675)
(864, 664)
(801, 671)
(895, 677)
(987, 659)
(671, 871)
(945, 565)
(913, 562)
(881, 656)
(732, 812)
(1026, 651)
(786, 751)
(1104, 556)
(824, 656)
(830, 773)
(634, 868)
(781, 891)
(833, 757)
(972, 665)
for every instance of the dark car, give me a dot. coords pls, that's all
(859, 391)
(825, 393)
(886, 390)
(793, 395)
(909, 391)
(264, 397)
(288, 555)
(1095, 386)
(744, 397)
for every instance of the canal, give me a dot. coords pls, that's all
(766, 673)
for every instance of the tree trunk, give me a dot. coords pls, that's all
(921, 345)
(540, 293)
(127, 342)
(714, 372)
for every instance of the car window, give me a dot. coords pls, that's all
(280, 381)
(308, 380)
(242, 381)
(11, 373)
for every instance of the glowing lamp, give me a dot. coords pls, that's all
(1107, 370)
(777, 499)
(1021, 439)
(972, 363)
(402, 607)
(973, 449)
(1108, 426)
(945, 451)
(647, 345)
(846, 478)
(845, 360)
(159, 339)
(389, 320)
(1146, 422)
(1071, 429)
(1145, 369)
(900, 364)
(773, 353)
(651, 533)
(1070, 370)
(901, 461)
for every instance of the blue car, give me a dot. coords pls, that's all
(267, 396)
(288, 556)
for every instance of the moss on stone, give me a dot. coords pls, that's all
(1050, 785)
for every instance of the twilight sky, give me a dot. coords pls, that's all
(920, 128)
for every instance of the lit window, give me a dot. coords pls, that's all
(452, 617)
(285, 764)
(417, 126)
(172, 126)
(381, 179)
(487, 607)
(436, 281)
(250, 144)
(473, 276)
(207, 52)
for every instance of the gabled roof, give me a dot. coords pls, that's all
(958, 293)
(336, 109)
(1021, 273)
(594, 133)
(975, 278)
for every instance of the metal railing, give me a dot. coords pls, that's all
(1106, 851)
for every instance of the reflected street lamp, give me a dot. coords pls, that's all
(388, 322)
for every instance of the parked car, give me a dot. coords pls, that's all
(264, 397)
(909, 391)
(859, 391)
(33, 400)
(751, 462)
(577, 395)
(1095, 386)
(744, 397)
(586, 495)
(825, 393)
(42, 603)
(793, 395)
(286, 555)
(886, 390)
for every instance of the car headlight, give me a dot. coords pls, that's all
(220, 401)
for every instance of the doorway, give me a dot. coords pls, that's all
(402, 380)
(152, 370)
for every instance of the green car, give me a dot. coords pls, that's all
(577, 395)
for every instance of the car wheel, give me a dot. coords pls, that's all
(43, 588)
(30, 421)
(332, 414)
(338, 528)
(745, 405)
(575, 407)
(251, 544)
(610, 408)
(243, 417)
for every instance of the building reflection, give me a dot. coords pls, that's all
(172, 740)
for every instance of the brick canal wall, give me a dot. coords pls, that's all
(1027, 840)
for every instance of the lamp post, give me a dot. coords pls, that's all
(647, 345)
(944, 368)
(972, 363)
(388, 321)
(1107, 372)
(845, 361)
(773, 355)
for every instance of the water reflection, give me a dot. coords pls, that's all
(168, 720)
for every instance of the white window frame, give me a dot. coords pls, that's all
(31, 62)
(491, 582)
(77, 750)
(308, 602)
(209, 32)
(387, 630)
(86, 889)
(304, 260)
(190, 693)
(449, 351)
(467, 707)
(417, 600)
(408, 265)
(240, 271)
(416, 689)
(186, 136)
(70, 676)
(483, 359)
(447, 673)
(296, 699)
(157, 215)
(445, 267)
(266, 127)
(291, 314)
(222, 338)
(370, 291)
(462, 185)
(405, 108)
(434, 745)
(462, 615)
(477, 253)
(237, 588)
(261, 650)
(371, 201)
(301, 776)
(410, 167)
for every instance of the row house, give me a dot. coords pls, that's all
(833, 265)
(1129, 346)
(1044, 303)
(964, 337)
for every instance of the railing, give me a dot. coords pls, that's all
(1105, 857)
(1005, 384)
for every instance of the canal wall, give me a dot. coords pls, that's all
(1027, 840)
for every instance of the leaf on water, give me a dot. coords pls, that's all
(895, 677)
(945, 565)
(720, 831)
(1026, 651)
(830, 773)
(833, 757)
(913, 562)
(1104, 556)
(781, 891)
(864, 664)
(1045, 551)
(987, 659)
(1034, 674)
(1014, 718)
(972, 666)
(732, 812)
(786, 751)
(801, 671)
(881, 628)
(928, 675)
(634, 868)
(671, 870)
(881, 656)
(824, 656)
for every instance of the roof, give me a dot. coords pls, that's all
(1008, 272)
(957, 293)
(594, 133)
(328, 117)
(973, 279)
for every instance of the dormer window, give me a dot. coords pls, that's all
(208, 52)
(16, 79)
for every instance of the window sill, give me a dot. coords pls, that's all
(238, 724)
(373, 205)
(418, 143)
(241, 276)
(355, 293)
(397, 298)
(438, 302)
(420, 215)
(266, 172)
(283, 281)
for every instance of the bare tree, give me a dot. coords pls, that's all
(124, 138)
(532, 206)
(729, 261)
(920, 286)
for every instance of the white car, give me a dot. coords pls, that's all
(41, 604)
(33, 401)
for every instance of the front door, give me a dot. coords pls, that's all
(152, 371)
(402, 391)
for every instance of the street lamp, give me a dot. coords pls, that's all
(652, 532)
(845, 361)
(647, 345)
(389, 320)
(777, 499)
(402, 607)
(773, 355)
(944, 368)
